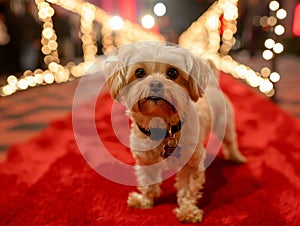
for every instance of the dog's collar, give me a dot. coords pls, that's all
(158, 133)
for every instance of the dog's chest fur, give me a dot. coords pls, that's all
(140, 142)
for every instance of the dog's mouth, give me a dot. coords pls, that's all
(155, 99)
(155, 103)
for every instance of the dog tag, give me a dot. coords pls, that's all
(172, 147)
(171, 150)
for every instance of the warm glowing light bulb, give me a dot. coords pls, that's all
(48, 32)
(263, 21)
(52, 45)
(231, 12)
(30, 81)
(265, 72)
(253, 79)
(274, 77)
(159, 9)
(281, 14)
(271, 21)
(12, 80)
(8, 90)
(279, 29)
(265, 86)
(213, 22)
(148, 21)
(49, 78)
(38, 78)
(267, 54)
(274, 5)
(23, 84)
(116, 23)
(269, 43)
(53, 66)
(278, 48)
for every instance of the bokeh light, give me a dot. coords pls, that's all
(267, 54)
(269, 43)
(278, 48)
(274, 77)
(279, 29)
(159, 9)
(281, 14)
(116, 23)
(148, 21)
(274, 5)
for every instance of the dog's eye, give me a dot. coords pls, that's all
(172, 73)
(140, 73)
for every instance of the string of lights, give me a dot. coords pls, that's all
(127, 32)
(212, 34)
(203, 36)
(272, 44)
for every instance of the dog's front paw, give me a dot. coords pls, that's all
(137, 200)
(189, 213)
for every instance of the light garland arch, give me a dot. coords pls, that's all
(203, 36)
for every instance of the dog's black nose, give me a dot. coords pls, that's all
(156, 86)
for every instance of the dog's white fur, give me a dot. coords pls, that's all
(196, 80)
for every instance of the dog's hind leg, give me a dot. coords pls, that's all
(231, 150)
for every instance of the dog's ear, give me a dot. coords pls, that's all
(199, 72)
(115, 75)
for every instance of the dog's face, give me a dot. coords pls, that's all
(155, 79)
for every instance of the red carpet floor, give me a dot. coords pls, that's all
(46, 181)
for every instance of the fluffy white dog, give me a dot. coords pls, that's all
(163, 86)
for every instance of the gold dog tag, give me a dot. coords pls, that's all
(171, 148)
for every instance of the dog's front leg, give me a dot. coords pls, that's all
(189, 182)
(149, 181)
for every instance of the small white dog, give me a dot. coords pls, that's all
(162, 85)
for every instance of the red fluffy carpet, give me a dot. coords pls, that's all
(46, 181)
